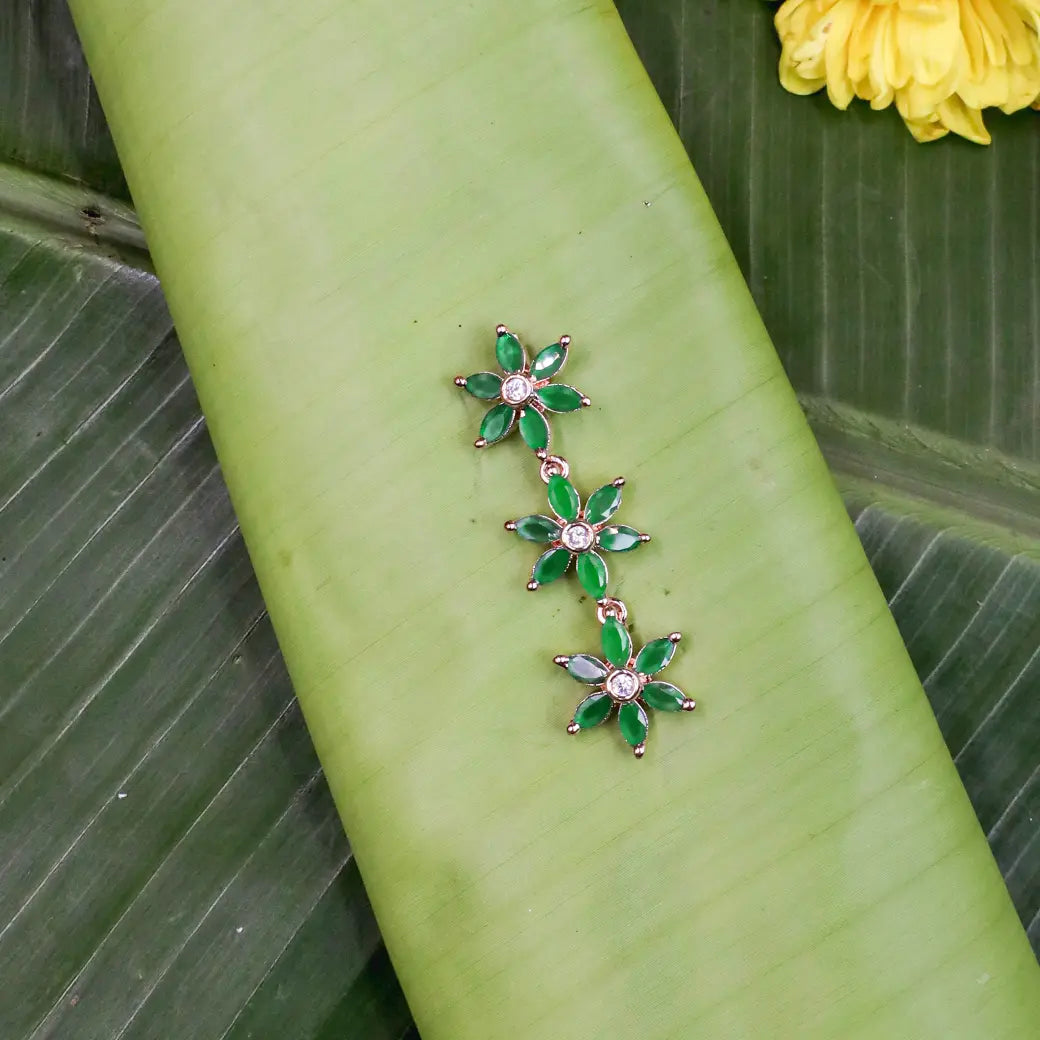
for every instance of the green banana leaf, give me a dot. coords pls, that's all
(298, 965)
(50, 117)
(901, 286)
(163, 817)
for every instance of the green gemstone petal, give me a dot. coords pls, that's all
(497, 423)
(663, 696)
(551, 565)
(593, 710)
(592, 573)
(548, 361)
(603, 504)
(558, 397)
(510, 353)
(485, 385)
(534, 429)
(538, 528)
(619, 539)
(633, 722)
(617, 643)
(563, 498)
(654, 656)
(586, 668)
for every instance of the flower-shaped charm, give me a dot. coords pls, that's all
(577, 533)
(524, 391)
(626, 680)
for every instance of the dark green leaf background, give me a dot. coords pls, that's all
(167, 845)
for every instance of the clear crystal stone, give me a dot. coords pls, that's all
(577, 537)
(623, 685)
(516, 389)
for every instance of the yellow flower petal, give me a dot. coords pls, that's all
(963, 120)
(792, 80)
(925, 130)
(939, 61)
(929, 39)
(1023, 88)
(863, 40)
(840, 89)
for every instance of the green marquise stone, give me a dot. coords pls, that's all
(619, 538)
(485, 385)
(654, 656)
(563, 498)
(534, 429)
(538, 528)
(593, 710)
(551, 565)
(633, 723)
(586, 668)
(603, 504)
(663, 696)
(592, 573)
(509, 353)
(617, 643)
(558, 397)
(548, 361)
(497, 423)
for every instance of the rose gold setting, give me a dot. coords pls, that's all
(510, 525)
(562, 660)
(608, 607)
(523, 399)
(611, 683)
(553, 466)
(578, 532)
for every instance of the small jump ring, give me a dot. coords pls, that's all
(554, 466)
(611, 608)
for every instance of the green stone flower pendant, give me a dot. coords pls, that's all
(625, 679)
(524, 393)
(576, 533)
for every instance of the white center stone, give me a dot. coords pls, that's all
(577, 537)
(623, 685)
(516, 389)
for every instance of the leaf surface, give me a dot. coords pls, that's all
(814, 805)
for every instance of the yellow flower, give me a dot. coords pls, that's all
(940, 61)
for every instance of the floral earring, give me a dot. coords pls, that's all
(525, 396)
(526, 391)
